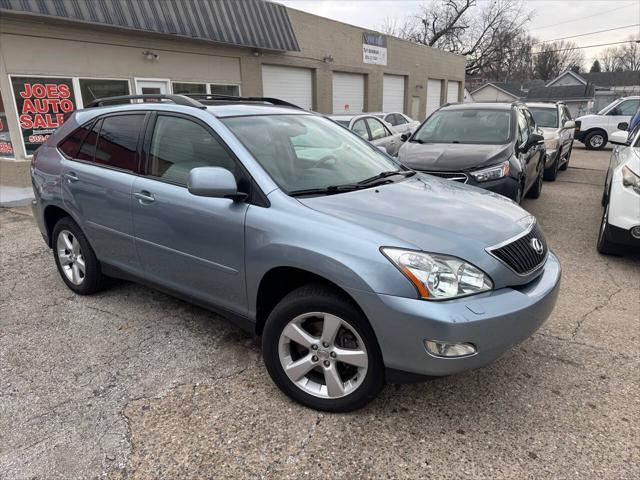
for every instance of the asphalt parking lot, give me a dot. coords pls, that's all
(131, 383)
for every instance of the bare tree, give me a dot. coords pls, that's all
(477, 30)
(552, 58)
(623, 58)
(611, 60)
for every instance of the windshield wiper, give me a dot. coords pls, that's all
(330, 190)
(381, 175)
(416, 140)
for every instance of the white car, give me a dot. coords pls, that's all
(371, 128)
(621, 198)
(595, 130)
(399, 121)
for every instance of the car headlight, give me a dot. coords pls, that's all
(630, 179)
(492, 173)
(438, 277)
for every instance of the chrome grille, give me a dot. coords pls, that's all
(454, 176)
(520, 255)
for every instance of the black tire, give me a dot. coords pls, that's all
(605, 193)
(536, 188)
(591, 140)
(565, 165)
(318, 298)
(605, 246)
(92, 280)
(551, 173)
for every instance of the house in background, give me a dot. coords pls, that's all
(608, 85)
(583, 92)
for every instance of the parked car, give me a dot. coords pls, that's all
(558, 129)
(620, 226)
(495, 146)
(399, 121)
(354, 269)
(373, 129)
(594, 130)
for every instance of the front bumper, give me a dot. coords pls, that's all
(494, 322)
(506, 186)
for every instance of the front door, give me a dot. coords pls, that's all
(151, 86)
(193, 245)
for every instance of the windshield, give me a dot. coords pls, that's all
(304, 152)
(489, 127)
(344, 123)
(602, 112)
(545, 117)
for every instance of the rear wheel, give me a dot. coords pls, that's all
(595, 140)
(321, 351)
(75, 259)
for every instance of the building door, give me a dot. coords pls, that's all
(348, 92)
(434, 95)
(291, 84)
(151, 86)
(393, 93)
(453, 89)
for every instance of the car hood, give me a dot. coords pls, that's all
(451, 156)
(430, 214)
(589, 117)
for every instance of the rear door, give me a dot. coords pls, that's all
(97, 186)
(193, 245)
(621, 113)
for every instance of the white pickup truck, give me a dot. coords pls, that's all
(594, 130)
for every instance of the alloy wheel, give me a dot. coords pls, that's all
(596, 141)
(70, 257)
(323, 355)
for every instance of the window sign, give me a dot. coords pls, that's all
(6, 148)
(374, 48)
(42, 105)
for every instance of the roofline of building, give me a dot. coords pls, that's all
(571, 72)
(496, 87)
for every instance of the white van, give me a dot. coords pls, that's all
(594, 130)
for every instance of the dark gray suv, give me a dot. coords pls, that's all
(354, 269)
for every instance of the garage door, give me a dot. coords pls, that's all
(393, 93)
(452, 91)
(292, 84)
(348, 92)
(434, 92)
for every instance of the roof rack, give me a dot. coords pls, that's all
(233, 98)
(177, 99)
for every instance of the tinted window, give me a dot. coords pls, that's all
(377, 129)
(545, 117)
(179, 144)
(469, 126)
(88, 148)
(361, 129)
(523, 128)
(71, 144)
(118, 140)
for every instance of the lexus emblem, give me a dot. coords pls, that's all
(536, 245)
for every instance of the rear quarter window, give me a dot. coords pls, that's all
(71, 145)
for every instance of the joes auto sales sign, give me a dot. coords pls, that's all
(42, 105)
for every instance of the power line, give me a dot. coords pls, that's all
(588, 33)
(586, 46)
(588, 16)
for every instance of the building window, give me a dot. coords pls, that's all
(6, 148)
(93, 88)
(233, 90)
(42, 104)
(187, 88)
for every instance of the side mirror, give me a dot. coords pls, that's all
(620, 138)
(534, 139)
(215, 182)
(623, 126)
(570, 124)
(405, 136)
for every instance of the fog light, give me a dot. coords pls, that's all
(635, 231)
(443, 349)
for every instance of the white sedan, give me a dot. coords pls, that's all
(399, 121)
(621, 198)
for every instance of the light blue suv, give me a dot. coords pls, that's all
(354, 269)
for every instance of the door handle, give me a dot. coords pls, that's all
(71, 177)
(144, 197)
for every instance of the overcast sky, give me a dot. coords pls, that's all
(569, 14)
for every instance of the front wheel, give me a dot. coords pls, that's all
(595, 140)
(605, 246)
(551, 173)
(320, 350)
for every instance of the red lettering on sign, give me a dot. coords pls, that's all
(26, 122)
(38, 90)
